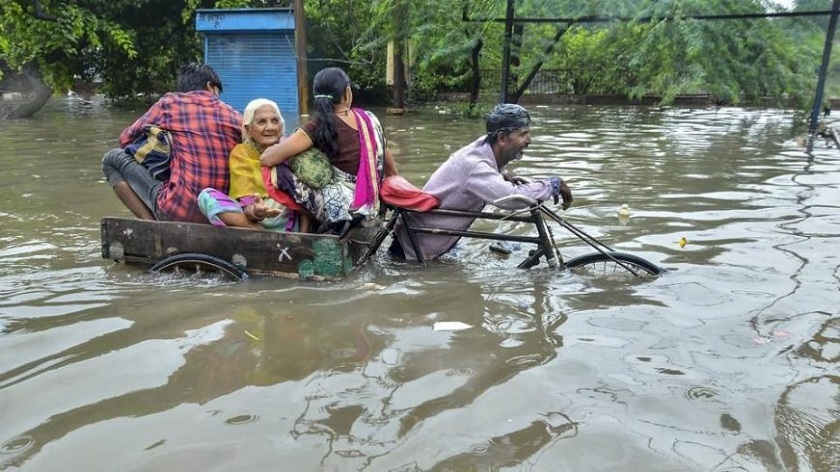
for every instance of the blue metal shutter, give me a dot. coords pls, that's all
(256, 66)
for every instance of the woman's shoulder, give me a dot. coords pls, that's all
(370, 115)
(309, 127)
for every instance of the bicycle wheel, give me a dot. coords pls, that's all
(199, 264)
(600, 264)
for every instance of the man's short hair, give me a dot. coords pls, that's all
(505, 118)
(195, 76)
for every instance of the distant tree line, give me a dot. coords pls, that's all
(650, 47)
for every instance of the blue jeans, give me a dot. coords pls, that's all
(118, 166)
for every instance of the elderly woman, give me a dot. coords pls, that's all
(248, 205)
(352, 140)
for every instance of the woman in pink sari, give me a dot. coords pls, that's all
(353, 141)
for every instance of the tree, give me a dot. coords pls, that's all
(632, 47)
(660, 48)
(446, 49)
(49, 43)
(131, 47)
(337, 37)
(733, 60)
(451, 47)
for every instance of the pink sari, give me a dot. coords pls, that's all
(368, 178)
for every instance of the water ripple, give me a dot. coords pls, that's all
(744, 322)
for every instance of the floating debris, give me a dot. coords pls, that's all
(251, 335)
(450, 326)
(371, 286)
(624, 211)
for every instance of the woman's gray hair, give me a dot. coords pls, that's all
(251, 110)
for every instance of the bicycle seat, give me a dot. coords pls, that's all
(399, 192)
(515, 198)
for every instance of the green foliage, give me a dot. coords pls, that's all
(586, 60)
(336, 37)
(444, 44)
(136, 46)
(667, 53)
(733, 60)
(131, 46)
(56, 44)
(814, 5)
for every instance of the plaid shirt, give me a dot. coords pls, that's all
(204, 130)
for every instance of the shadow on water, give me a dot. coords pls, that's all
(724, 363)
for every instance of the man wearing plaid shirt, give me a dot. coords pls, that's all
(203, 130)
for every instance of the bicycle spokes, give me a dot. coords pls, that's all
(588, 239)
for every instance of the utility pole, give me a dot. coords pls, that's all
(829, 40)
(300, 54)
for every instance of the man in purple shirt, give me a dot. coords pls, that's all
(472, 177)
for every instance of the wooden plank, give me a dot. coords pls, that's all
(305, 255)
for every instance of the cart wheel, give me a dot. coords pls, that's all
(199, 264)
(600, 264)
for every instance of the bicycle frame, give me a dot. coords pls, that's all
(533, 215)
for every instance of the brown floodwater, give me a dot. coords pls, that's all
(727, 362)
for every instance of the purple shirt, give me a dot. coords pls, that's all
(468, 180)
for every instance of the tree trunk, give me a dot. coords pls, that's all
(475, 81)
(300, 53)
(400, 53)
(517, 94)
(399, 75)
(510, 12)
(38, 94)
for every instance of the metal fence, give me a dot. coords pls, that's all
(546, 81)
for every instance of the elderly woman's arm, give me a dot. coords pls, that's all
(291, 146)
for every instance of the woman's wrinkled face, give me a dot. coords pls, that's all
(266, 128)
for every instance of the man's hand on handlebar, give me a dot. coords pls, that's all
(566, 193)
(559, 189)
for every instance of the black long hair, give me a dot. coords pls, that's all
(194, 76)
(328, 87)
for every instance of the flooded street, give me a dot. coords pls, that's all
(727, 362)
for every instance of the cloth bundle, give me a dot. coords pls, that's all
(153, 150)
(312, 167)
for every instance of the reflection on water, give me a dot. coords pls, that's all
(727, 362)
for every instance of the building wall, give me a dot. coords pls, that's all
(253, 50)
(257, 65)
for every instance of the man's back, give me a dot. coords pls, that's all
(458, 183)
(467, 181)
(204, 130)
(472, 177)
